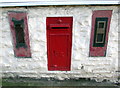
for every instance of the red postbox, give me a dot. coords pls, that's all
(59, 42)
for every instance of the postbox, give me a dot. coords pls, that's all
(59, 43)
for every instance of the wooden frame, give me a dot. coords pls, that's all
(18, 22)
(99, 49)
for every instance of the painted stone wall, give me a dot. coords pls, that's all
(82, 66)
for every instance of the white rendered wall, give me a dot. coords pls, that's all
(93, 67)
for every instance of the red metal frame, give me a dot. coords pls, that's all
(20, 52)
(59, 43)
(99, 51)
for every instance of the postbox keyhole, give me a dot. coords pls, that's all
(59, 21)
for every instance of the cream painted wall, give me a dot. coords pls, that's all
(98, 68)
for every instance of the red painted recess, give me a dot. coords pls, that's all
(59, 43)
(99, 51)
(20, 51)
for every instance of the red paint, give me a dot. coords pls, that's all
(59, 42)
(99, 51)
(20, 52)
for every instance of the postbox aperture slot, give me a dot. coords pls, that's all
(60, 27)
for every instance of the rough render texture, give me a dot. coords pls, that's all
(82, 66)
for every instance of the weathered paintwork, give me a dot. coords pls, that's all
(21, 51)
(99, 51)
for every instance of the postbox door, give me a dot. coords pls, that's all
(59, 42)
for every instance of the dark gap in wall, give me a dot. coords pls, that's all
(118, 43)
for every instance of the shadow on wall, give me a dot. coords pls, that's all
(63, 87)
